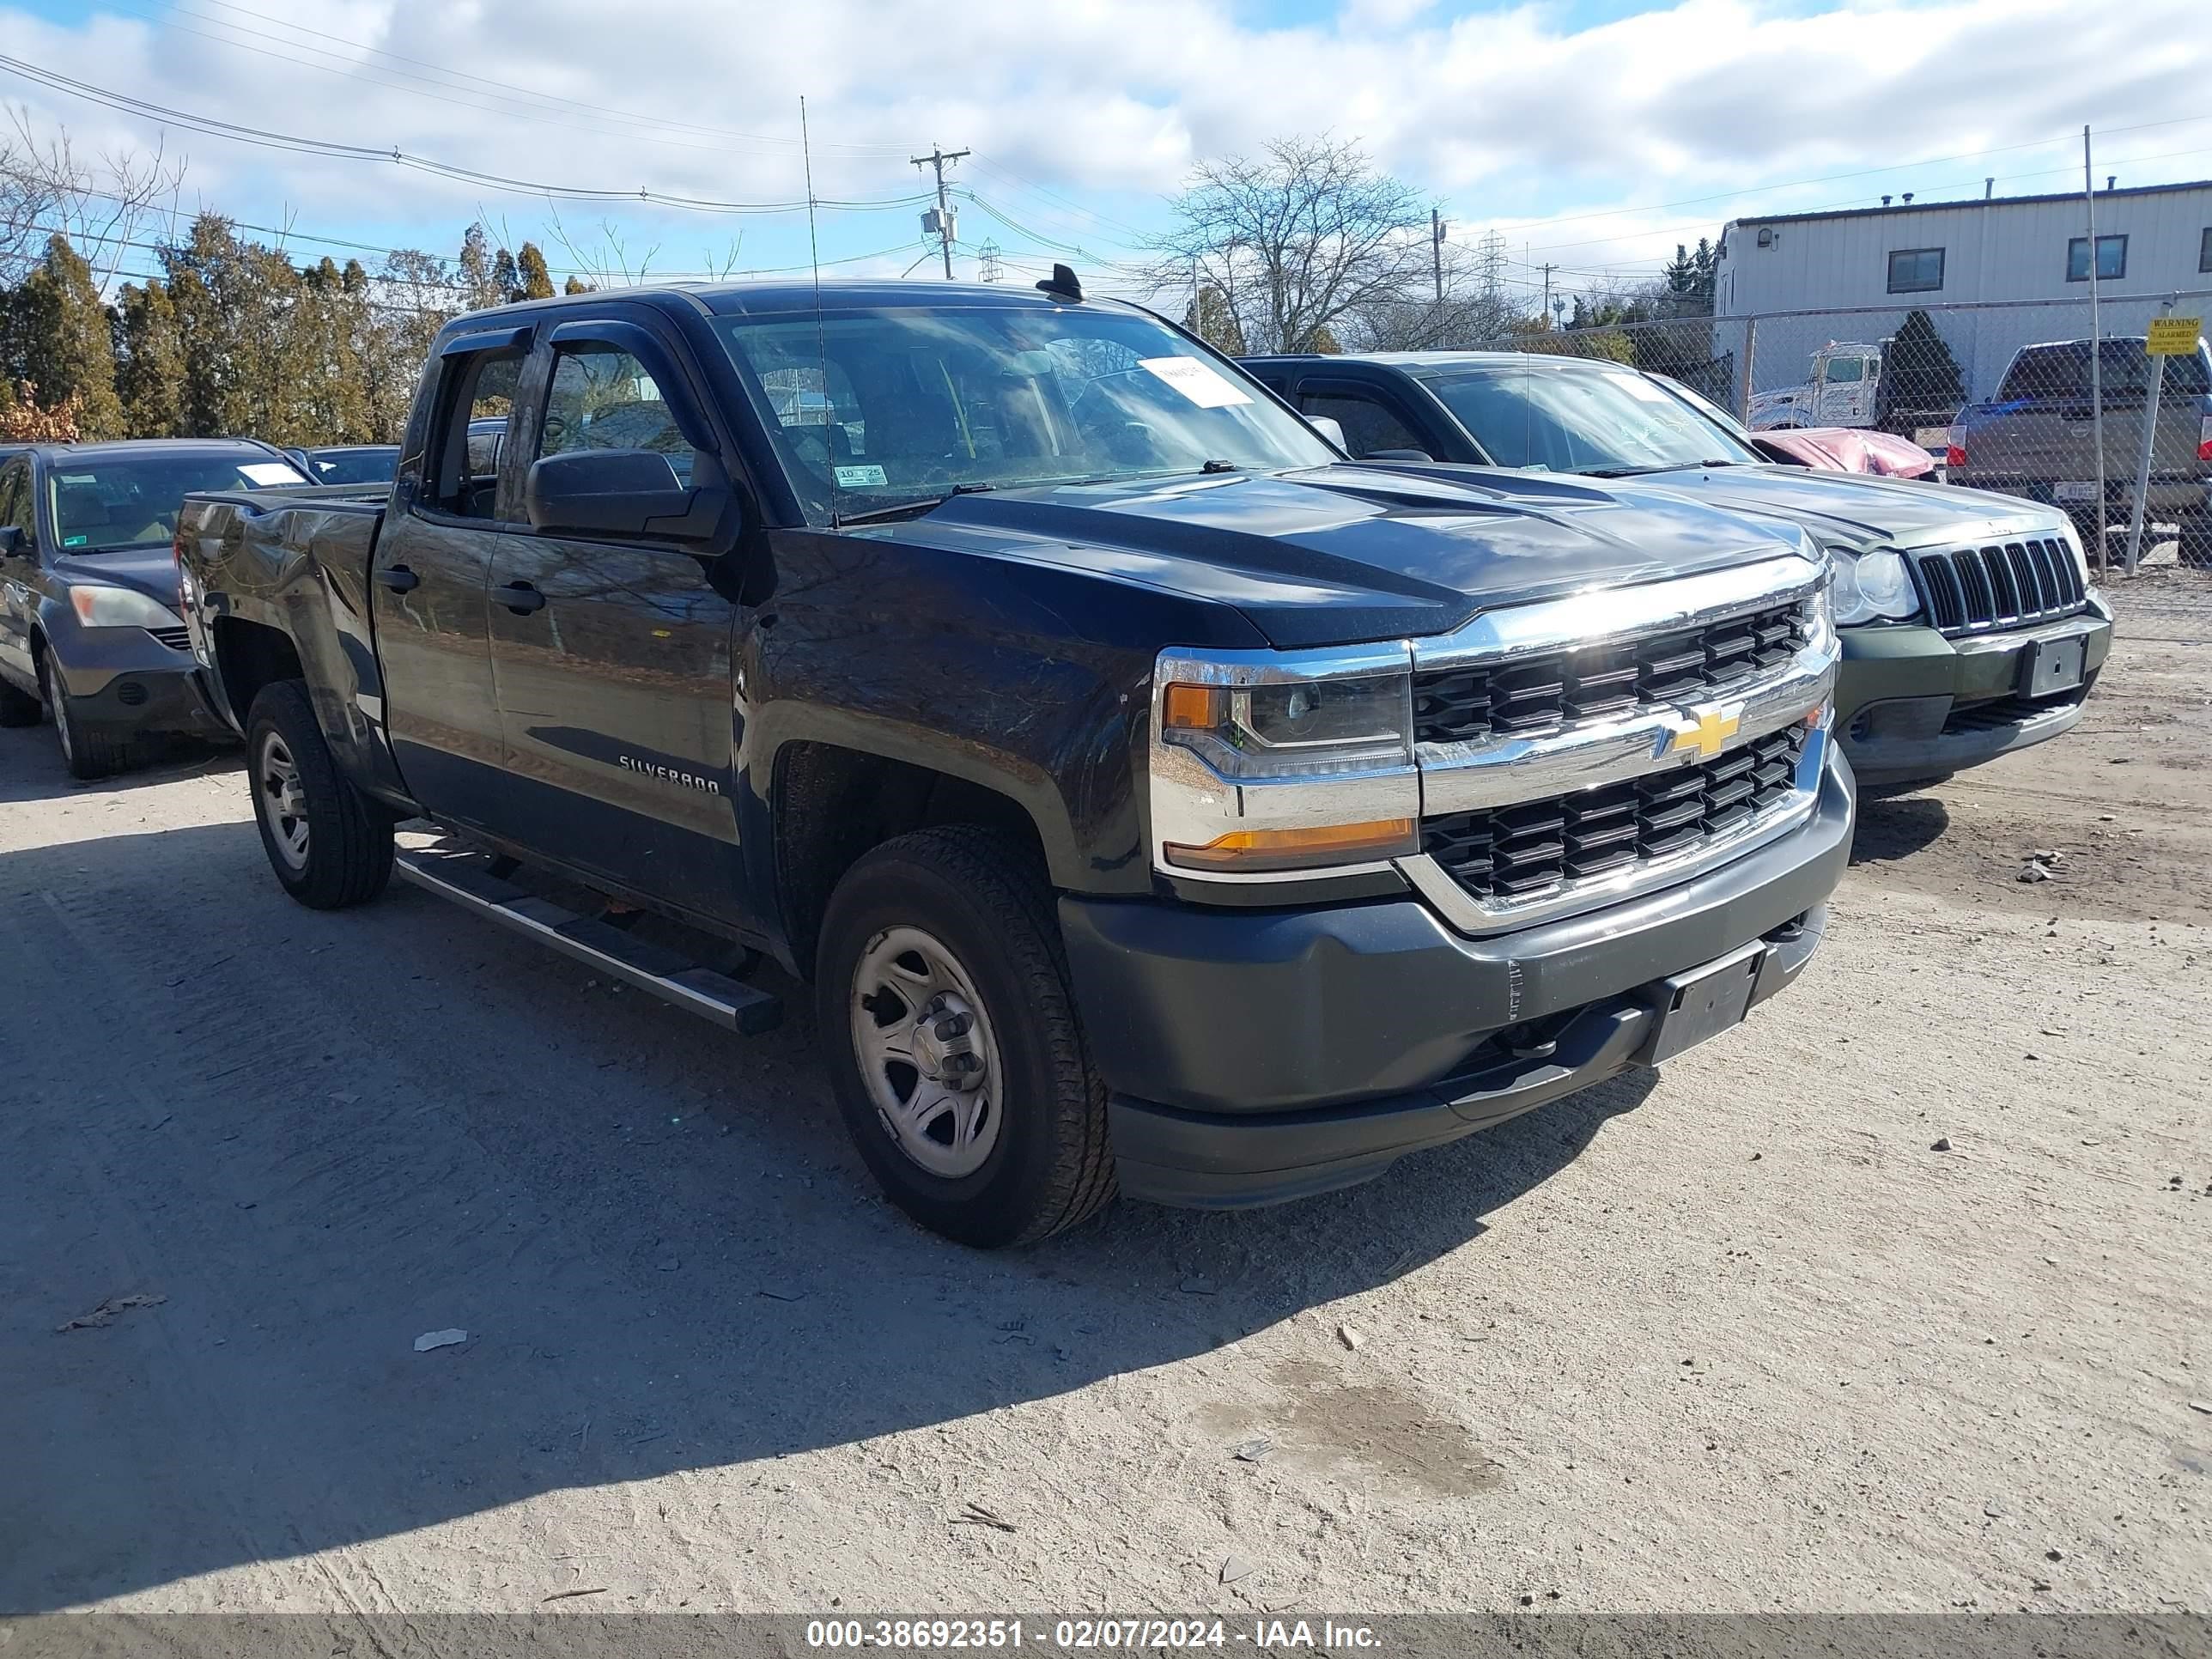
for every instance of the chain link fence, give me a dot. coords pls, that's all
(2008, 394)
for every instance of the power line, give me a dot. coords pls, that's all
(266, 138)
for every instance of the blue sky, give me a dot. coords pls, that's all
(1591, 134)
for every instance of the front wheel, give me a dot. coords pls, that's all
(89, 754)
(942, 1006)
(329, 844)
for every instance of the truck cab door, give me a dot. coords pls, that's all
(612, 655)
(428, 571)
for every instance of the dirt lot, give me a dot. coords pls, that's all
(1730, 1337)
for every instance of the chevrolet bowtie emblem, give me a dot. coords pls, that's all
(1704, 738)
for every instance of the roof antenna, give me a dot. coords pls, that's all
(820, 345)
(1061, 284)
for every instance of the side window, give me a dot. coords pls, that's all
(480, 393)
(1367, 425)
(16, 501)
(600, 396)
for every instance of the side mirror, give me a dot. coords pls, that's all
(1330, 430)
(619, 492)
(1397, 455)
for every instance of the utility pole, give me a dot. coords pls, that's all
(1548, 270)
(1436, 249)
(2096, 346)
(945, 224)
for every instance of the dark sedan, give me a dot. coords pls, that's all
(349, 463)
(89, 625)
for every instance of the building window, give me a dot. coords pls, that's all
(1916, 270)
(2112, 258)
(2204, 251)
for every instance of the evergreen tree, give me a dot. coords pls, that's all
(537, 281)
(1214, 319)
(577, 285)
(1921, 384)
(64, 340)
(506, 278)
(149, 374)
(479, 277)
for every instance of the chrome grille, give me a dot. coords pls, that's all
(2000, 586)
(177, 638)
(1529, 696)
(1505, 853)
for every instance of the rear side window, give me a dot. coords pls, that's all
(2057, 371)
(600, 396)
(479, 391)
(1368, 426)
(16, 499)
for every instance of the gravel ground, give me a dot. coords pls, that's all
(1730, 1337)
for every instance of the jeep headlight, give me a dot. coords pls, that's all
(1872, 587)
(1268, 762)
(97, 605)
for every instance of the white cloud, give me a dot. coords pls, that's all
(1507, 113)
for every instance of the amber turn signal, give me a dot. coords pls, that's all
(1193, 707)
(1298, 849)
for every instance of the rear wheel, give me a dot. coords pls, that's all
(2194, 549)
(330, 845)
(943, 1007)
(88, 754)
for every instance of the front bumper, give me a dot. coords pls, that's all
(123, 682)
(1911, 704)
(1256, 1056)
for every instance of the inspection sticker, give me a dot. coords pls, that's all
(855, 477)
(1196, 381)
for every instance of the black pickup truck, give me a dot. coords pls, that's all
(1152, 798)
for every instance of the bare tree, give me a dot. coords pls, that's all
(1468, 316)
(1296, 241)
(100, 205)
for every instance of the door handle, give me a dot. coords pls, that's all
(398, 578)
(520, 598)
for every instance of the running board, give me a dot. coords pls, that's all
(463, 878)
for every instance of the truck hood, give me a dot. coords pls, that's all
(151, 570)
(1343, 554)
(1856, 511)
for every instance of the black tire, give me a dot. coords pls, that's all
(19, 707)
(981, 896)
(2193, 549)
(89, 754)
(338, 852)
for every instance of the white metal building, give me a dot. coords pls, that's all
(2152, 241)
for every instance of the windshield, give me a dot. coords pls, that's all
(354, 466)
(1581, 420)
(910, 403)
(100, 505)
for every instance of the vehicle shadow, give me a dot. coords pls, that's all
(320, 1136)
(1896, 827)
(37, 772)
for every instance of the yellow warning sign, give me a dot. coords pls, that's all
(2174, 337)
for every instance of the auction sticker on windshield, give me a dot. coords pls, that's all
(858, 477)
(1196, 381)
(267, 473)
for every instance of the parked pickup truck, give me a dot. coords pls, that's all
(1149, 795)
(1970, 627)
(2037, 438)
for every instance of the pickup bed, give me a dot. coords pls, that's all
(1151, 799)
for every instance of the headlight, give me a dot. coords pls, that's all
(1870, 587)
(120, 607)
(1267, 762)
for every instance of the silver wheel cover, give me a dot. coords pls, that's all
(927, 1056)
(282, 802)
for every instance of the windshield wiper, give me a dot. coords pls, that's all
(1662, 466)
(913, 509)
